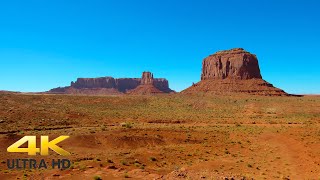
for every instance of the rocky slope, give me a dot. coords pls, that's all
(232, 71)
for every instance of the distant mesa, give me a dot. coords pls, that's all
(8, 92)
(112, 86)
(233, 71)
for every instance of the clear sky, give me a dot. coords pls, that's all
(46, 44)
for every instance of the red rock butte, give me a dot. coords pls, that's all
(233, 71)
(147, 85)
(235, 63)
(147, 78)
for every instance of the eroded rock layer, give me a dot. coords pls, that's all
(232, 71)
(110, 85)
(235, 63)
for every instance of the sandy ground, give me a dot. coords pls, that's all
(167, 137)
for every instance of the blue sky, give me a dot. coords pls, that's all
(46, 44)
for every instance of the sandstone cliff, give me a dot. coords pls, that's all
(121, 84)
(235, 63)
(232, 71)
(110, 85)
(147, 78)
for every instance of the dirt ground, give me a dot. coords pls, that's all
(167, 136)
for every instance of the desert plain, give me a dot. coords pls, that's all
(167, 136)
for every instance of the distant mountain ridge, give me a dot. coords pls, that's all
(110, 85)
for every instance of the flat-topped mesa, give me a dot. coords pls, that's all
(101, 82)
(234, 64)
(122, 84)
(232, 71)
(110, 85)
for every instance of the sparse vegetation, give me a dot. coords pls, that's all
(152, 159)
(97, 177)
(123, 162)
(126, 175)
(83, 167)
(126, 125)
(172, 132)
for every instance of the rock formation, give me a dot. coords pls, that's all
(147, 78)
(147, 85)
(232, 71)
(121, 84)
(235, 63)
(110, 85)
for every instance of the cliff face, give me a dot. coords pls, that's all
(102, 82)
(147, 78)
(162, 84)
(232, 71)
(122, 85)
(234, 64)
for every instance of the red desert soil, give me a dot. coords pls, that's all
(168, 136)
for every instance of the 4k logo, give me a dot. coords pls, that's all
(44, 148)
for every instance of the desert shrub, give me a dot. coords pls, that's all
(103, 128)
(97, 178)
(126, 175)
(123, 162)
(126, 125)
